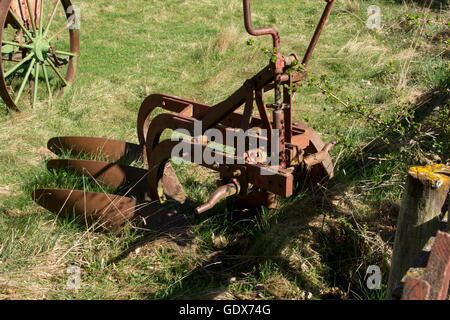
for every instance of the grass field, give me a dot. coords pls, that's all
(314, 246)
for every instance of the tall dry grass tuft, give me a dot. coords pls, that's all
(226, 39)
(404, 74)
(353, 5)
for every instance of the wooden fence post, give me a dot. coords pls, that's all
(425, 193)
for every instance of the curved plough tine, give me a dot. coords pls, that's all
(112, 150)
(132, 179)
(108, 212)
(172, 188)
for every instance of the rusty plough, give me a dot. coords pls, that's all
(296, 152)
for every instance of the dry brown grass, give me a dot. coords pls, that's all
(227, 38)
(353, 5)
(365, 49)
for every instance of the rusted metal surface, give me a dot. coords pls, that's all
(324, 170)
(429, 276)
(431, 282)
(261, 31)
(109, 149)
(108, 212)
(113, 175)
(438, 267)
(416, 289)
(171, 186)
(20, 8)
(245, 178)
(319, 157)
(279, 182)
(221, 193)
(256, 198)
(232, 120)
(278, 124)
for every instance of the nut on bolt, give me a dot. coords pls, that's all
(237, 173)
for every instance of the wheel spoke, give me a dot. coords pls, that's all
(44, 69)
(32, 18)
(19, 7)
(16, 44)
(25, 80)
(36, 84)
(51, 18)
(64, 53)
(61, 30)
(57, 72)
(16, 67)
(20, 24)
(41, 26)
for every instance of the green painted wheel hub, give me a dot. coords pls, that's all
(41, 48)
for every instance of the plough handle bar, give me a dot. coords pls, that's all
(260, 31)
(275, 36)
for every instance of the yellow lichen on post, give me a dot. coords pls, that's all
(425, 193)
(436, 174)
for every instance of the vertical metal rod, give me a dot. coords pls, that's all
(318, 31)
(30, 12)
(277, 90)
(278, 122)
(287, 100)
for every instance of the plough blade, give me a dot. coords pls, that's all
(109, 149)
(112, 175)
(108, 212)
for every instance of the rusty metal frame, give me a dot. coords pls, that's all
(301, 151)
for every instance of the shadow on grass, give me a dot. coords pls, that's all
(247, 259)
(341, 257)
(346, 244)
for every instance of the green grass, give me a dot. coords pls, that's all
(197, 50)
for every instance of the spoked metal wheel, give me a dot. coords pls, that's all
(40, 50)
